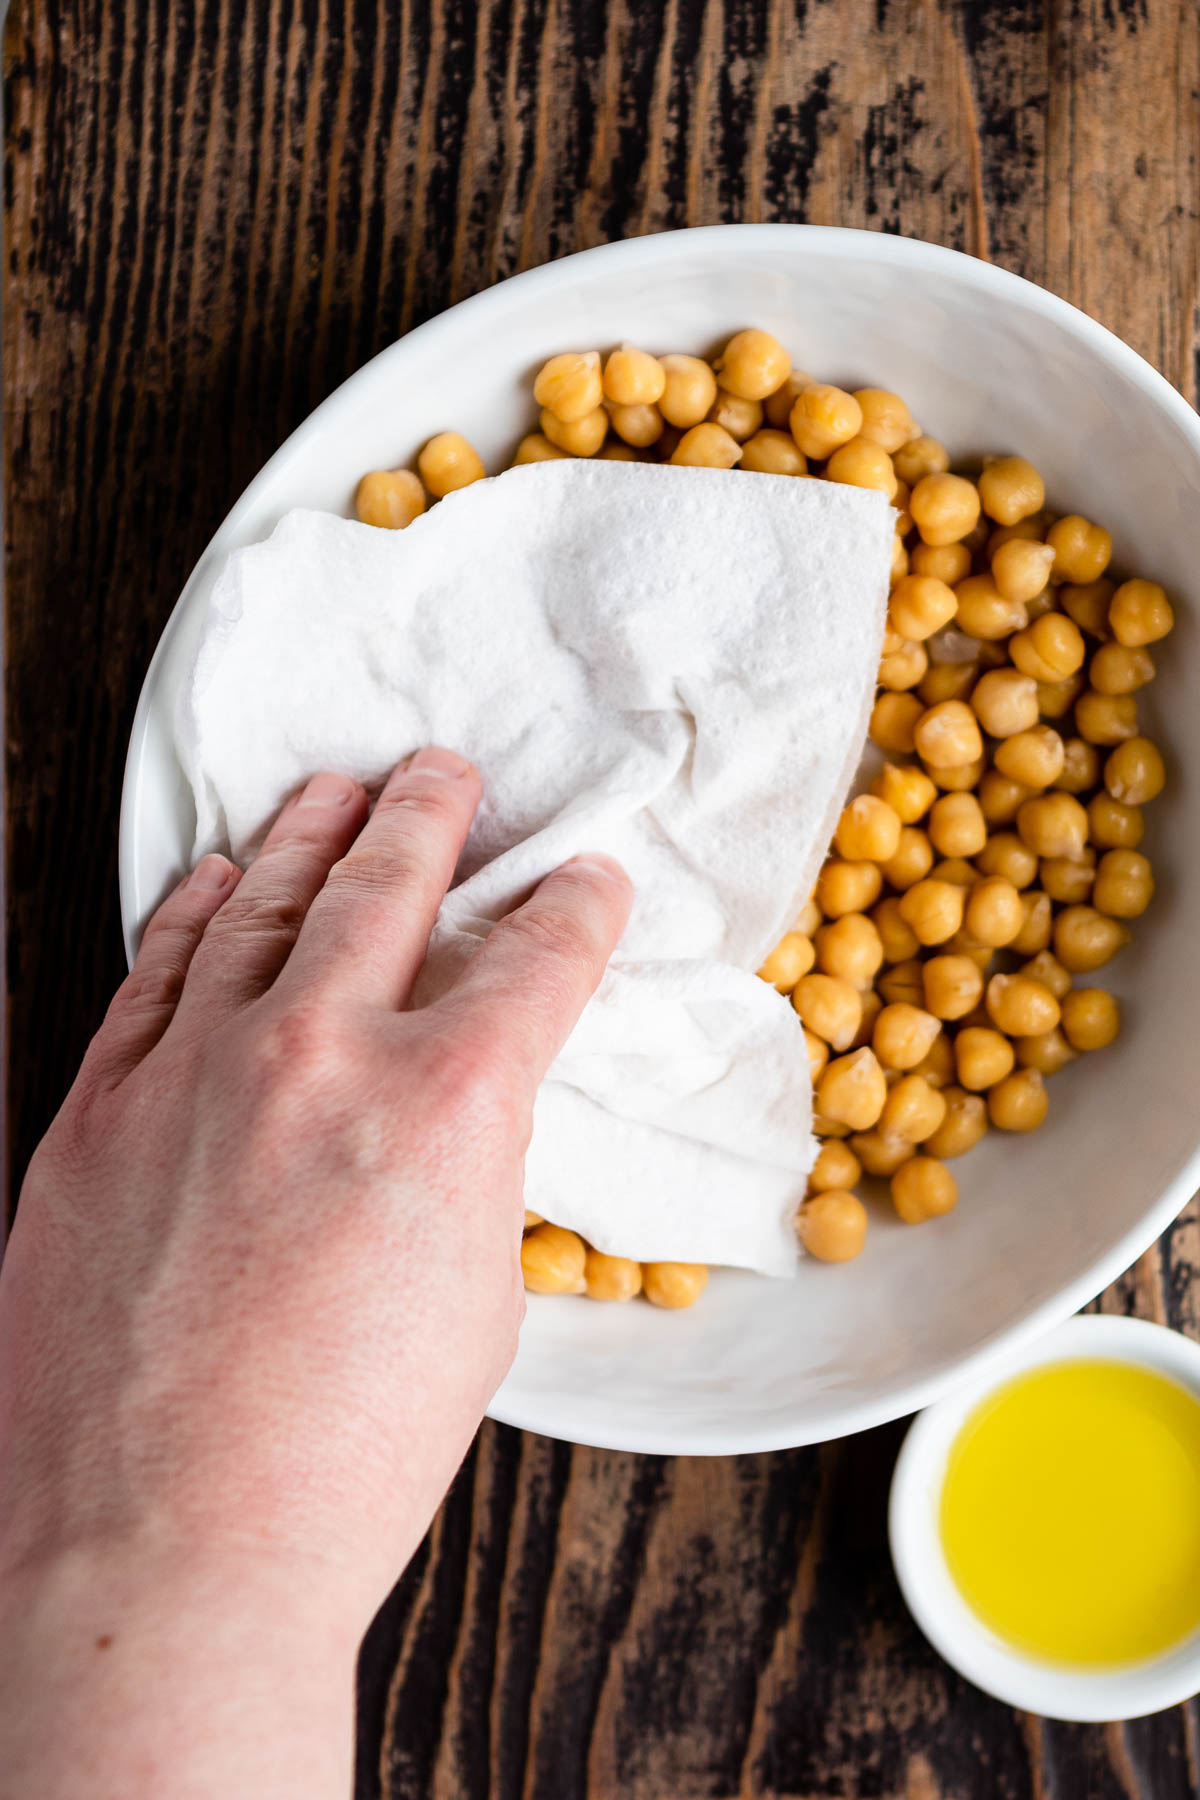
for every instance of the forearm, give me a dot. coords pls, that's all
(123, 1680)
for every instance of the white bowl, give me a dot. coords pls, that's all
(1055, 1690)
(989, 363)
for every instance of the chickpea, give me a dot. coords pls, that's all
(1081, 767)
(706, 447)
(912, 861)
(956, 869)
(1085, 939)
(852, 1090)
(919, 457)
(1010, 489)
(824, 1129)
(836, 1167)
(1004, 854)
(1091, 1018)
(1081, 550)
(1134, 773)
(872, 1006)
(1056, 698)
(903, 1035)
(1050, 649)
(948, 681)
(908, 791)
(861, 463)
(818, 1055)
(1005, 702)
(578, 437)
(536, 447)
(1030, 530)
(994, 913)
(893, 723)
(904, 667)
(901, 985)
(933, 910)
(1068, 879)
(850, 947)
(983, 611)
(1124, 885)
(1000, 797)
(957, 826)
(1088, 603)
(944, 507)
(553, 1261)
(898, 568)
(948, 563)
(611, 1277)
(1118, 669)
(913, 1110)
(1046, 968)
(448, 463)
(753, 364)
(618, 453)
(1140, 614)
(1019, 1102)
(570, 385)
(879, 1152)
(1045, 1051)
(673, 1284)
(1053, 825)
(740, 418)
(898, 939)
(938, 1067)
(830, 1007)
(390, 498)
(1040, 605)
(848, 887)
(953, 986)
(982, 1057)
(1021, 569)
(1114, 826)
(963, 1126)
(886, 419)
(809, 917)
(1034, 934)
(632, 377)
(868, 830)
(532, 1219)
(792, 957)
(689, 389)
(771, 452)
(1020, 1006)
(639, 426)
(920, 605)
(1035, 758)
(778, 406)
(832, 1226)
(823, 418)
(947, 736)
(1106, 718)
(923, 1188)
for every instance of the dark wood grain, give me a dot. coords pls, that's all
(213, 213)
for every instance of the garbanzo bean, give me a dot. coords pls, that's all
(944, 507)
(898, 939)
(1081, 767)
(933, 910)
(850, 948)
(673, 1284)
(632, 377)
(852, 1090)
(923, 1188)
(1034, 758)
(1124, 885)
(570, 385)
(1106, 718)
(956, 869)
(1114, 826)
(818, 1055)
(938, 1067)
(1140, 613)
(1081, 550)
(902, 985)
(706, 447)
(1040, 604)
(1134, 773)
(950, 563)
(913, 1110)
(1088, 603)
(957, 826)
(912, 861)
(740, 418)
(389, 498)
(920, 605)
(836, 1167)
(861, 463)
(1005, 702)
(1021, 569)
(893, 723)
(903, 1035)
(1034, 934)
(994, 913)
(872, 1006)
(868, 830)
(1050, 649)
(753, 364)
(809, 917)
(1068, 879)
(448, 463)
(640, 426)
(1045, 1051)
(1091, 1018)
(1030, 530)
(611, 1277)
(964, 1125)
(1120, 669)
(1019, 1102)
(908, 791)
(1021, 1007)
(848, 887)
(1056, 698)
(953, 986)
(535, 447)
(921, 456)
(947, 736)
(1000, 797)
(1005, 854)
(899, 563)
(886, 419)
(829, 1006)
(879, 1152)
(1085, 939)
(903, 667)
(832, 1226)
(792, 957)
(532, 1219)
(777, 407)
(948, 681)
(1053, 825)
(823, 418)
(824, 1128)
(615, 452)
(553, 1261)
(982, 1057)
(1046, 968)
(1010, 489)
(983, 611)
(771, 452)
(689, 389)
(578, 437)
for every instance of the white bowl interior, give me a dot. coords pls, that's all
(990, 364)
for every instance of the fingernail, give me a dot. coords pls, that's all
(327, 790)
(444, 764)
(211, 873)
(607, 866)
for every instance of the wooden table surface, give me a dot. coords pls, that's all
(213, 213)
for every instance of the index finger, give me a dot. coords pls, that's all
(523, 991)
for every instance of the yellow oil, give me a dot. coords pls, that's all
(1070, 1512)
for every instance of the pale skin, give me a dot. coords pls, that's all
(264, 1278)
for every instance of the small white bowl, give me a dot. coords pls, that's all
(1056, 1690)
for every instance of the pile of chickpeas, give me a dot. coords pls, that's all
(995, 857)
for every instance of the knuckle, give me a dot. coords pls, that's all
(468, 1077)
(556, 933)
(295, 1043)
(266, 912)
(151, 987)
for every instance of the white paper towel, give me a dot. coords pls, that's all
(671, 665)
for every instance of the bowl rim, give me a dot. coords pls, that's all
(631, 255)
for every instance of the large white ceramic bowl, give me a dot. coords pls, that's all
(988, 363)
